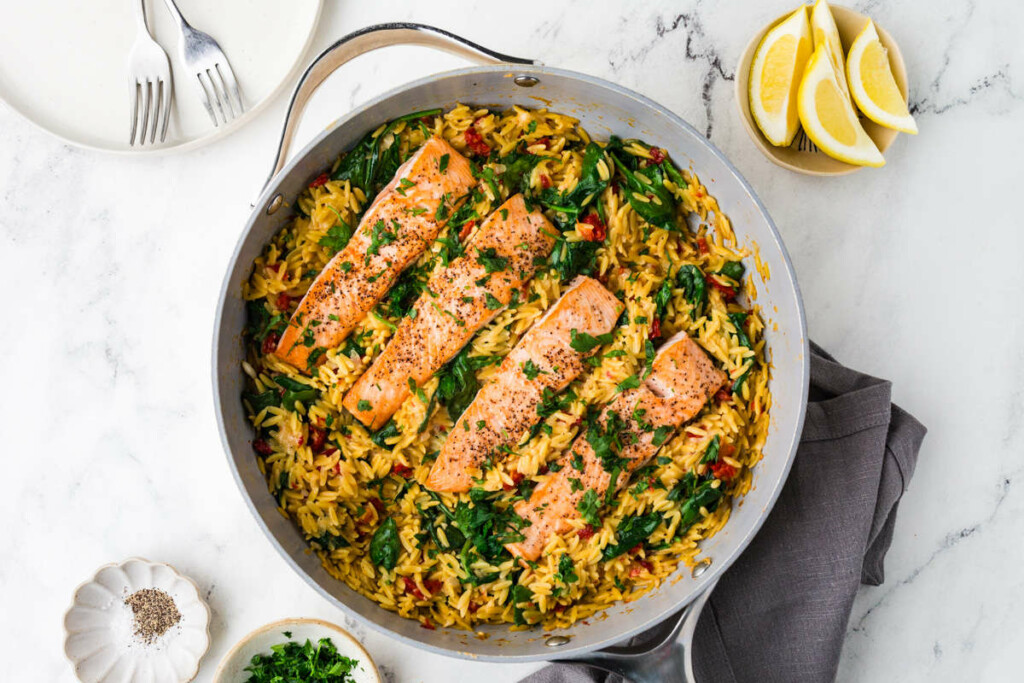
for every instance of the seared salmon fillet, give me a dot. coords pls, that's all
(542, 363)
(630, 430)
(401, 223)
(457, 302)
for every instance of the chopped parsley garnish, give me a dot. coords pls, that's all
(364, 405)
(442, 164)
(403, 185)
(381, 234)
(531, 370)
(492, 302)
(489, 259)
(337, 235)
(589, 506)
(290, 661)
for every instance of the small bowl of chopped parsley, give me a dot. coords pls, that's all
(306, 650)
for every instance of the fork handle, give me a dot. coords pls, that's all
(176, 13)
(367, 40)
(140, 15)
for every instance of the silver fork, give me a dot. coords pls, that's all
(805, 144)
(204, 58)
(149, 79)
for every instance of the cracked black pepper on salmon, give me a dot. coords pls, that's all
(458, 300)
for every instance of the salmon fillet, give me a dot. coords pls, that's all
(681, 381)
(401, 223)
(542, 361)
(457, 302)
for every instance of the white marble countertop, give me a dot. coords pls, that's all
(111, 267)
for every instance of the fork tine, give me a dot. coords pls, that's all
(222, 93)
(232, 83)
(135, 112)
(146, 97)
(206, 99)
(157, 106)
(166, 115)
(218, 98)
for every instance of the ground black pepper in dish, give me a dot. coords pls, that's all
(154, 611)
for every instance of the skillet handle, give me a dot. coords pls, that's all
(664, 654)
(367, 40)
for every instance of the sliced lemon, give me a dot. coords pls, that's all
(775, 77)
(873, 86)
(828, 117)
(823, 28)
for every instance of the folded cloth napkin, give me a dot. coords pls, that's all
(780, 612)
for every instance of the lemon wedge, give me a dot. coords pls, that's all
(775, 77)
(828, 117)
(873, 86)
(823, 28)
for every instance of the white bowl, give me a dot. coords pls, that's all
(98, 627)
(232, 667)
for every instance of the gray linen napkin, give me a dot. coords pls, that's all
(780, 612)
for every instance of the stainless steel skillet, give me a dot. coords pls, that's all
(604, 109)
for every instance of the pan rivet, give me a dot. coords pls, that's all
(699, 569)
(274, 204)
(556, 641)
(526, 81)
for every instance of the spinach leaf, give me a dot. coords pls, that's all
(739, 321)
(487, 527)
(329, 541)
(400, 298)
(566, 570)
(517, 171)
(570, 259)
(632, 531)
(384, 546)
(569, 206)
(695, 288)
(662, 298)
(583, 342)
(295, 391)
(519, 595)
(684, 489)
(711, 454)
(386, 432)
(260, 323)
(368, 166)
(702, 497)
(674, 175)
(458, 384)
(733, 269)
(263, 400)
(658, 206)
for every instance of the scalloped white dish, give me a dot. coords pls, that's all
(232, 667)
(99, 637)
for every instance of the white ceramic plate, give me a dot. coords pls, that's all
(98, 627)
(232, 667)
(63, 65)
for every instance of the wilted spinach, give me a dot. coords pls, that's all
(384, 546)
(632, 531)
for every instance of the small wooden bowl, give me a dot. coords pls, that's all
(232, 667)
(850, 24)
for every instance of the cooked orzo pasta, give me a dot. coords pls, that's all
(652, 235)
